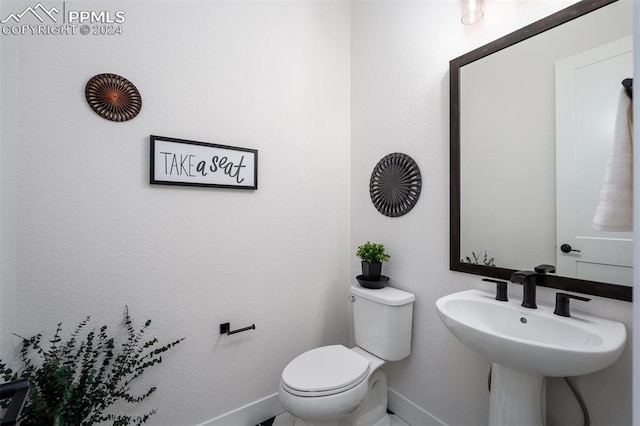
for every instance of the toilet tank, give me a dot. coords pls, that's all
(382, 321)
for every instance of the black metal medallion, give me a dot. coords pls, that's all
(395, 184)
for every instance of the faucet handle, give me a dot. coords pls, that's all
(501, 289)
(562, 303)
(544, 269)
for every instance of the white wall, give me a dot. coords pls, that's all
(636, 232)
(400, 59)
(8, 187)
(93, 236)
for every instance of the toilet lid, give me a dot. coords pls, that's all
(325, 370)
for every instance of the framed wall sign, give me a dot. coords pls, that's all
(191, 163)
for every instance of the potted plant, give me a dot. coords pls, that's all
(372, 256)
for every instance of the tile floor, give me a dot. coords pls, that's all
(266, 422)
(395, 420)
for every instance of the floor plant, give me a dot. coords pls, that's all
(75, 381)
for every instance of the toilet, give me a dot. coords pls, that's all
(337, 386)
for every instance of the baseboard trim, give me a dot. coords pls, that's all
(251, 414)
(270, 406)
(410, 412)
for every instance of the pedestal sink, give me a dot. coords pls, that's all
(525, 345)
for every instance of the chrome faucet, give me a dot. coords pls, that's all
(530, 279)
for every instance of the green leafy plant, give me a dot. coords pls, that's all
(73, 382)
(485, 260)
(372, 252)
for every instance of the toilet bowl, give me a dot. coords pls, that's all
(328, 385)
(337, 386)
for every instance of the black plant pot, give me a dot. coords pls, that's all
(371, 271)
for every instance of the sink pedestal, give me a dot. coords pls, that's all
(517, 398)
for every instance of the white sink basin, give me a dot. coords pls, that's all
(534, 341)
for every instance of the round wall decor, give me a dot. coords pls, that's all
(395, 184)
(113, 97)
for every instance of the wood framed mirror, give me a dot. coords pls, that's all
(504, 119)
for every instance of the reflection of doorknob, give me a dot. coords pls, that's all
(566, 248)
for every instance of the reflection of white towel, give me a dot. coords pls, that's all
(615, 210)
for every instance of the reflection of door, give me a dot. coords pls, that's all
(587, 91)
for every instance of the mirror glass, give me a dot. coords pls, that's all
(533, 122)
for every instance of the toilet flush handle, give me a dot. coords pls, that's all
(352, 299)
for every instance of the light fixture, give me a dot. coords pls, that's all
(471, 11)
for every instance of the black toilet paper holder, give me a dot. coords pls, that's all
(225, 328)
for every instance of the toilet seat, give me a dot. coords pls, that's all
(323, 371)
